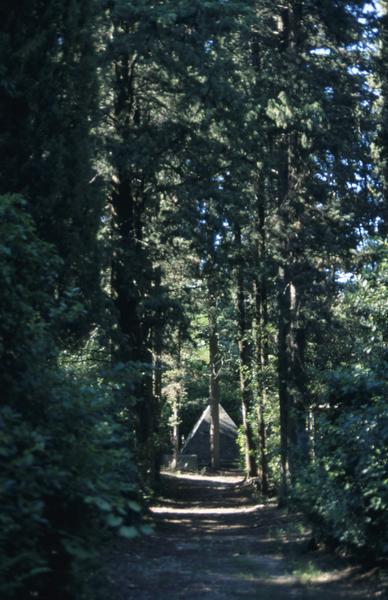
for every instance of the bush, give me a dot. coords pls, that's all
(66, 476)
(65, 483)
(345, 490)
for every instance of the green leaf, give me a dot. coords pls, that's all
(134, 506)
(147, 529)
(114, 521)
(102, 504)
(128, 532)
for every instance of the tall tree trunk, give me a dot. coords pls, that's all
(261, 309)
(383, 135)
(298, 416)
(291, 337)
(129, 267)
(245, 363)
(291, 333)
(177, 404)
(132, 348)
(214, 384)
(157, 373)
(175, 430)
(283, 327)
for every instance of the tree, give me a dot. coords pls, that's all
(314, 171)
(55, 89)
(383, 133)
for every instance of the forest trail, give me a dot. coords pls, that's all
(213, 541)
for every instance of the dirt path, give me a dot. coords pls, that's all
(212, 541)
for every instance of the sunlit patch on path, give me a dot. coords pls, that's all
(214, 541)
(166, 510)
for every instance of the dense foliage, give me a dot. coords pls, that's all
(67, 473)
(345, 489)
(192, 210)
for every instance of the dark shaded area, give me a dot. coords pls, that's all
(212, 540)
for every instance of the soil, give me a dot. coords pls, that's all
(214, 540)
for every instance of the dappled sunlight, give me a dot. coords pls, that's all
(197, 510)
(212, 479)
(213, 541)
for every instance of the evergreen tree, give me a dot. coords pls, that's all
(242, 151)
(314, 178)
(48, 103)
(383, 133)
(57, 417)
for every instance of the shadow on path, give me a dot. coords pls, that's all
(212, 540)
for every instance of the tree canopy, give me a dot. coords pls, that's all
(193, 203)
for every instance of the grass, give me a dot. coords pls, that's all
(307, 572)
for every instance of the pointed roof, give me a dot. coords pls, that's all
(198, 441)
(227, 425)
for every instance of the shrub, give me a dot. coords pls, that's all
(67, 476)
(345, 490)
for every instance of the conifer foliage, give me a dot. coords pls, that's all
(192, 210)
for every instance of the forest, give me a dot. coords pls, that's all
(193, 211)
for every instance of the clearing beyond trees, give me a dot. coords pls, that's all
(213, 540)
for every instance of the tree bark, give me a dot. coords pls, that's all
(298, 431)
(177, 404)
(261, 309)
(214, 385)
(283, 326)
(291, 334)
(245, 363)
(157, 375)
(130, 268)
